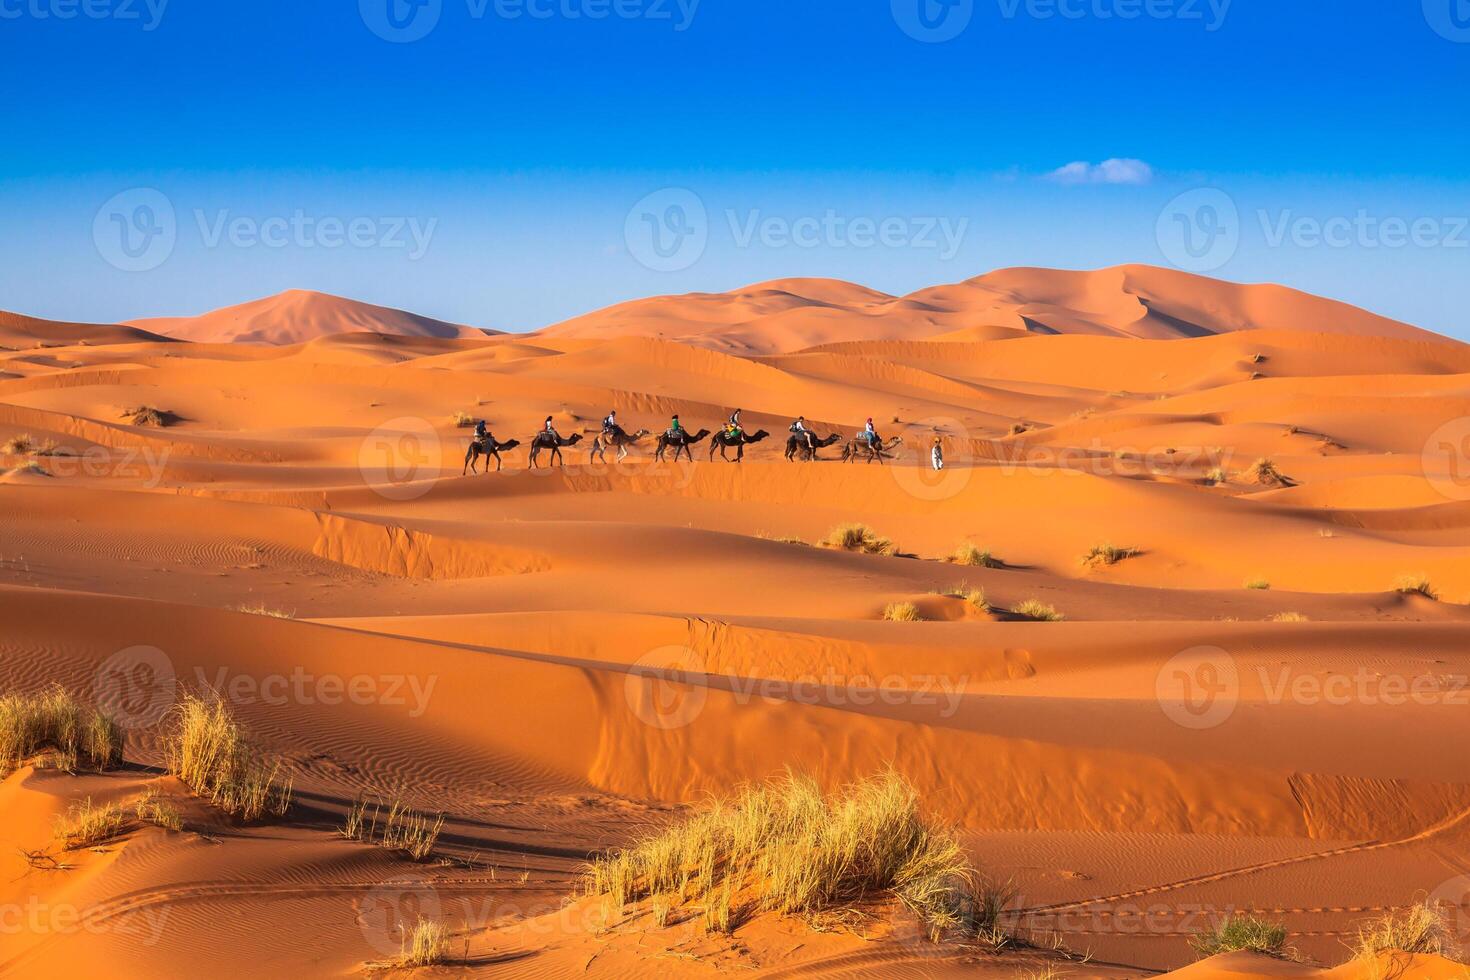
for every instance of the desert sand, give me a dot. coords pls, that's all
(567, 659)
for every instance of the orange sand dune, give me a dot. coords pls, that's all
(299, 315)
(1253, 708)
(1128, 301)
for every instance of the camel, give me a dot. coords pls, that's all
(681, 444)
(487, 448)
(795, 443)
(723, 440)
(617, 437)
(546, 440)
(861, 446)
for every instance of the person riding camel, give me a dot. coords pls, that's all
(870, 433)
(732, 429)
(551, 429)
(610, 424)
(481, 433)
(675, 429)
(799, 428)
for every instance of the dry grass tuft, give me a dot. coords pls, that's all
(397, 828)
(1264, 473)
(1246, 932)
(901, 612)
(261, 609)
(1289, 617)
(462, 420)
(1039, 611)
(147, 415)
(17, 446)
(1106, 554)
(86, 825)
(1418, 930)
(426, 945)
(1259, 584)
(786, 847)
(975, 598)
(1416, 585)
(152, 808)
(55, 720)
(1217, 475)
(858, 537)
(209, 751)
(968, 553)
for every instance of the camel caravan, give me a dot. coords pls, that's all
(802, 443)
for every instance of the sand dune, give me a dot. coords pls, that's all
(1127, 301)
(299, 315)
(1253, 708)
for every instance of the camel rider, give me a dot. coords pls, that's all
(550, 429)
(481, 432)
(870, 434)
(802, 432)
(675, 429)
(610, 424)
(733, 428)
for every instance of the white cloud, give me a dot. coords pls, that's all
(1113, 171)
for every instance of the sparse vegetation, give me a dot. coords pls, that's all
(462, 420)
(858, 537)
(974, 598)
(1243, 932)
(1039, 611)
(988, 902)
(426, 945)
(1417, 930)
(17, 446)
(969, 553)
(1264, 473)
(1257, 583)
(786, 847)
(1106, 554)
(152, 808)
(55, 720)
(901, 612)
(1415, 585)
(261, 609)
(147, 415)
(209, 751)
(86, 824)
(397, 828)
(1289, 617)
(1217, 475)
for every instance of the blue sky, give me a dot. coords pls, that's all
(523, 161)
